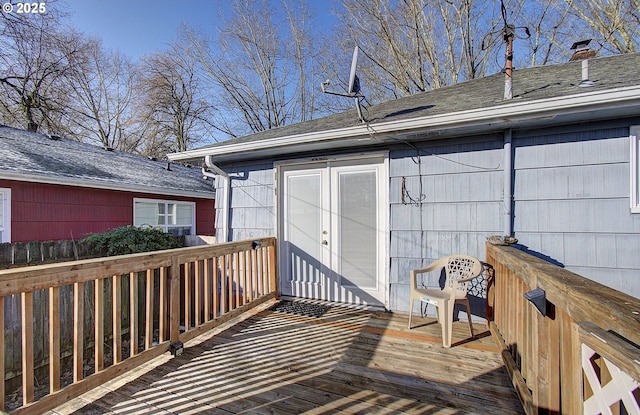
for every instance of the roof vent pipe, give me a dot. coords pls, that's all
(585, 75)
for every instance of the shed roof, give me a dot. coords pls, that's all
(546, 94)
(37, 157)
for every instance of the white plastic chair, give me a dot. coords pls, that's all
(460, 269)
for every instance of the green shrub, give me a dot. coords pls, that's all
(130, 240)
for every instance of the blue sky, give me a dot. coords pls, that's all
(140, 27)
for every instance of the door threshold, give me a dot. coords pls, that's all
(363, 307)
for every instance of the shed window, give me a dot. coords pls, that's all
(176, 218)
(5, 215)
(635, 169)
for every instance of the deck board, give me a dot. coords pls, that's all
(345, 362)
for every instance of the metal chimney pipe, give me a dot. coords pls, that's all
(508, 68)
(585, 75)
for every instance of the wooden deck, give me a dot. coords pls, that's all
(344, 362)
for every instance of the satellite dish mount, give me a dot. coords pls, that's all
(354, 85)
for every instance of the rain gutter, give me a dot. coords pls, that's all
(223, 180)
(508, 188)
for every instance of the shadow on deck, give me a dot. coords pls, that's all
(345, 361)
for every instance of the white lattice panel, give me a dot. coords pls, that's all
(619, 390)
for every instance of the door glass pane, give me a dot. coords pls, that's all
(303, 227)
(357, 218)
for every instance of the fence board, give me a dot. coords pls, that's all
(198, 291)
(187, 295)
(149, 311)
(78, 332)
(27, 348)
(75, 298)
(133, 313)
(54, 339)
(117, 318)
(2, 353)
(216, 286)
(162, 310)
(98, 322)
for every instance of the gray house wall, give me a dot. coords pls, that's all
(571, 195)
(253, 211)
(571, 203)
(452, 203)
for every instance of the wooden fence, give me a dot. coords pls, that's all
(38, 252)
(141, 306)
(582, 355)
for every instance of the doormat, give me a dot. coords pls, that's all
(300, 308)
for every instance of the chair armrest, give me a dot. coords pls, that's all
(439, 263)
(431, 267)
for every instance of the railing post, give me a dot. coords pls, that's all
(273, 268)
(78, 331)
(572, 383)
(116, 307)
(133, 313)
(174, 300)
(54, 339)
(162, 314)
(27, 348)
(148, 334)
(98, 344)
(2, 348)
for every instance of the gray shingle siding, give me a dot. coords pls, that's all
(571, 203)
(571, 192)
(252, 201)
(452, 202)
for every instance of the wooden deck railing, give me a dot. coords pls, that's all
(583, 355)
(140, 306)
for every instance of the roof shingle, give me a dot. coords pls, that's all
(37, 155)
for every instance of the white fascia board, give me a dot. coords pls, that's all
(510, 112)
(92, 184)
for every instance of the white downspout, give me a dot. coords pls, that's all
(507, 192)
(223, 202)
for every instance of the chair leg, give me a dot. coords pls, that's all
(446, 320)
(468, 307)
(410, 311)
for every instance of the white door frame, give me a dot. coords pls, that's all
(380, 158)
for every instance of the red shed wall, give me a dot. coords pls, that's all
(44, 212)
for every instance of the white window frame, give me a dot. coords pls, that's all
(5, 229)
(166, 226)
(634, 168)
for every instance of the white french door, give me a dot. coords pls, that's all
(332, 231)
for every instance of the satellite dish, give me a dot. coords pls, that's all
(354, 82)
(354, 85)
